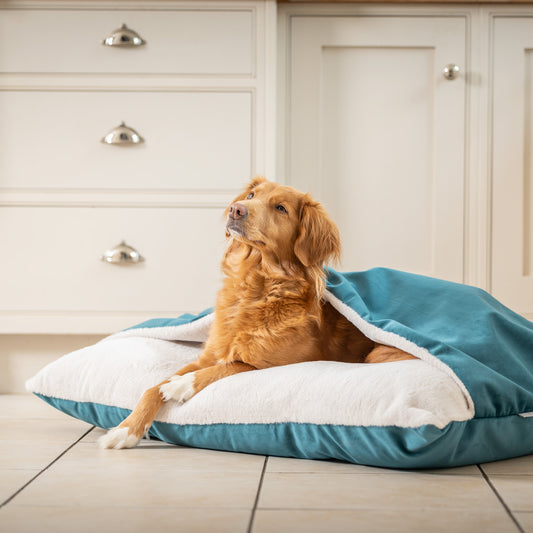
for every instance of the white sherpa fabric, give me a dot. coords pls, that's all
(117, 370)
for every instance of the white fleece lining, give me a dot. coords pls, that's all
(196, 331)
(117, 370)
(393, 339)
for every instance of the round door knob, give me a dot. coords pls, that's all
(451, 71)
(122, 254)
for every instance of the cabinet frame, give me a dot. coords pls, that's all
(479, 72)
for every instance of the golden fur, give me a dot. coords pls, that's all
(270, 310)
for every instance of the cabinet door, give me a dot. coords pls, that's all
(512, 174)
(376, 132)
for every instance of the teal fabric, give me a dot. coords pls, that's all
(459, 443)
(171, 322)
(489, 347)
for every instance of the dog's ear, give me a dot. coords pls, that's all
(318, 241)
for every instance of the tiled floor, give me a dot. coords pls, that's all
(53, 478)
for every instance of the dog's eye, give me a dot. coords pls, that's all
(282, 209)
(250, 196)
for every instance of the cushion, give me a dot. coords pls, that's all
(467, 398)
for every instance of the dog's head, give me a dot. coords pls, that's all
(283, 223)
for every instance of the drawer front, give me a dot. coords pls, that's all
(177, 41)
(53, 265)
(193, 140)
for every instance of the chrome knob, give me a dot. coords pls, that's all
(122, 135)
(124, 37)
(451, 71)
(122, 254)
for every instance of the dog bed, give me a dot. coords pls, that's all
(466, 399)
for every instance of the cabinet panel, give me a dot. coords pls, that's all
(512, 198)
(377, 133)
(184, 41)
(193, 140)
(51, 264)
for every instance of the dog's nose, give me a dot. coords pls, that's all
(237, 211)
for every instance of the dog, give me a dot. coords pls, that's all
(270, 310)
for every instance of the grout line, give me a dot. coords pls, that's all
(250, 525)
(505, 506)
(44, 469)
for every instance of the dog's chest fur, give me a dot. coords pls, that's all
(262, 315)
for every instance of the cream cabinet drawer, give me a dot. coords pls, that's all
(51, 265)
(188, 41)
(192, 140)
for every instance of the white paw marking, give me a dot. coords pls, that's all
(118, 438)
(179, 388)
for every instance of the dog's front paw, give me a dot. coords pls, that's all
(179, 388)
(117, 438)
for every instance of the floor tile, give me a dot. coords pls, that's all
(27, 406)
(39, 430)
(516, 467)
(396, 491)
(13, 480)
(285, 464)
(516, 491)
(127, 486)
(526, 521)
(20, 519)
(95, 434)
(29, 454)
(160, 455)
(382, 520)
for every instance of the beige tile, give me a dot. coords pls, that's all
(129, 486)
(28, 454)
(13, 480)
(526, 521)
(53, 430)
(516, 467)
(27, 406)
(284, 464)
(156, 455)
(516, 491)
(96, 433)
(21, 519)
(382, 520)
(394, 491)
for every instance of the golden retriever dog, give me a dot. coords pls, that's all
(270, 310)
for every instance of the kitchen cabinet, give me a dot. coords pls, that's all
(512, 171)
(413, 124)
(185, 92)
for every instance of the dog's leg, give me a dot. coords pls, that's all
(387, 354)
(132, 429)
(182, 388)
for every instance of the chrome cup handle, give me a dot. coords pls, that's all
(122, 254)
(124, 37)
(122, 135)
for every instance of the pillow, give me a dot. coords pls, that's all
(468, 398)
